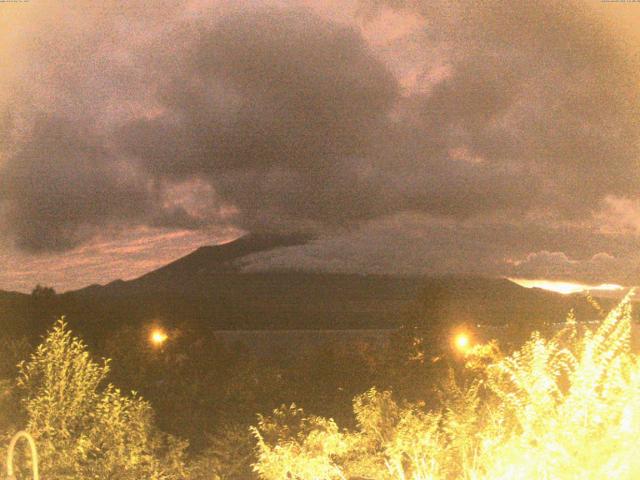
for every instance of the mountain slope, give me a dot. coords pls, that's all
(209, 260)
(16, 310)
(196, 269)
(206, 290)
(485, 301)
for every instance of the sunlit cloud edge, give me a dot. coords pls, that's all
(565, 287)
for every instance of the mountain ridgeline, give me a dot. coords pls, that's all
(244, 342)
(208, 289)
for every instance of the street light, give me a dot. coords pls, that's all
(461, 342)
(158, 337)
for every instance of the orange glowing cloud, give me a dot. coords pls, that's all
(566, 288)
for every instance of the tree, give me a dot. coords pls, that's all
(42, 292)
(44, 308)
(86, 428)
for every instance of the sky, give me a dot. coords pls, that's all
(490, 137)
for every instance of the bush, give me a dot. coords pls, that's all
(229, 455)
(564, 408)
(86, 428)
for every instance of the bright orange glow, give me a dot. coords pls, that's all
(158, 337)
(565, 288)
(462, 342)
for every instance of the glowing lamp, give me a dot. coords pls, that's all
(461, 342)
(158, 337)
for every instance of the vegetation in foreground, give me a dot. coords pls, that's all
(85, 427)
(565, 407)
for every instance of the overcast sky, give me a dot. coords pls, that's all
(441, 136)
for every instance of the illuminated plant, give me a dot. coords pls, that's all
(561, 408)
(85, 428)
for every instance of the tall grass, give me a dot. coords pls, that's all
(566, 407)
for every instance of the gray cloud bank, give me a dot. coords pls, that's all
(495, 130)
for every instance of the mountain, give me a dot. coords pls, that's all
(11, 296)
(484, 301)
(16, 309)
(193, 270)
(208, 290)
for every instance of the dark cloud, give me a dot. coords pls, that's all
(61, 184)
(546, 87)
(59, 187)
(297, 123)
(413, 244)
(278, 108)
(288, 119)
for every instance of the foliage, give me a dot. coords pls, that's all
(292, 445)
(560, 408)
(42, 292)
(86, 428)
(229, 456)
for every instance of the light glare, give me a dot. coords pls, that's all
(158, 337)
(462, 341)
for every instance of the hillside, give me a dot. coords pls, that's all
(16, 312)
(206, 289)
(487, 301)
(195, 271)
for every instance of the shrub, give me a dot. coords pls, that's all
(86, 428)
(566, 407)
(228, 456)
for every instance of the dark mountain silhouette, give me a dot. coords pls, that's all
(10, 296)
(221, 258)
(208, 290)
(492, 302)
(194, 270)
